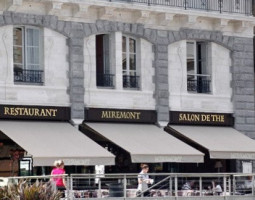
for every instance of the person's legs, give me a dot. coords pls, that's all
(146, 194)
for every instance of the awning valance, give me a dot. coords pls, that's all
(221, 142)
(49, 141)
(146, 143)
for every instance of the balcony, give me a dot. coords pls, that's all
(105, 80)
(199, 83)
(28, 76)
(243, 7)
(131, 82)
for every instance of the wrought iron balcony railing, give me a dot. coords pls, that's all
(28, 76)
(105, 80)
(199, 83)
(222, 6)
(131, 82)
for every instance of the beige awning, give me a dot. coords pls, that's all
(147, 143)
(49, 141)
(221, 142)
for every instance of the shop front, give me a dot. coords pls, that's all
(191, 143)
(133, 137)
(214, 135)
(33, 137)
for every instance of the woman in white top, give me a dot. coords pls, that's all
(144, 180)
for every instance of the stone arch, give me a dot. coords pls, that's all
(47, 21)
(211, 36)
(104, 26)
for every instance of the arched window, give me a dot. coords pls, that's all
(27, 55)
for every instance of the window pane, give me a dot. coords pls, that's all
(32, 49)
(190, 66)
(17, 55)
(106, 52)
(18, 68)
(32, 37)
(17, 36)
(132, 61)
(32, 56)
(124, 44)
(132, 46)
(190, 50)
(99, 55)
(190, 58)
(32, 67)
(124, 61)
(132, 73)
(202, 58)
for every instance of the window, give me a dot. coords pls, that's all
(103, 69)
(129, 68)
(198, 78)
(237, 4)
(26, 55)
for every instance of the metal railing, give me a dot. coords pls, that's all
(131, 82)
(199, 83)
(244, 184)
(165, 185)
(105, 80)
(221, 6)
(80, 186)
(28, 76)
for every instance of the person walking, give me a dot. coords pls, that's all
(143, 181)
(59, 180)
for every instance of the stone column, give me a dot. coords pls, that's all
(76, 79)
(161, 77)
(243, 88)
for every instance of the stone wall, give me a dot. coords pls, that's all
(218, 62)
(241, 53)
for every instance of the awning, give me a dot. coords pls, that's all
(50, 141)
(221, 142)
(147, 143)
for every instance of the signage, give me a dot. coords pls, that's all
(34, 112)
(247, 167)
(192, 118)
(118, 115)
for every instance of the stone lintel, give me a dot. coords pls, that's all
(106, 13)
(53, 8)
(221, 23)
(165, 19)
(12, 6)
(141, 16)
(80, 10)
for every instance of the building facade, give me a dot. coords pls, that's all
(162, 56)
